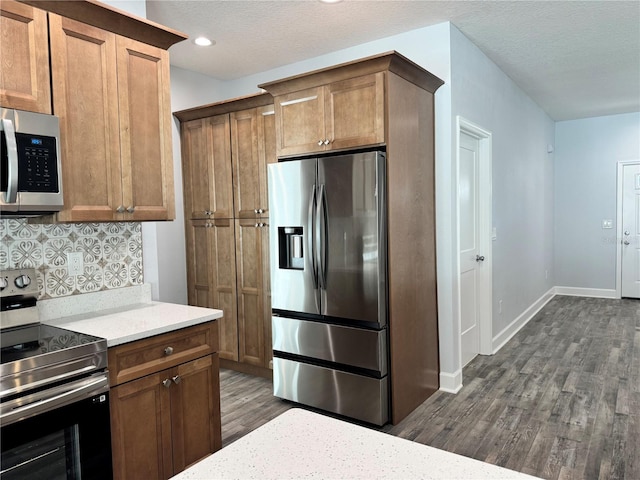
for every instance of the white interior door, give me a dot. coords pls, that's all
(470, 257)
(631, 231)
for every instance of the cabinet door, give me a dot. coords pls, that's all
(246, 164)
(145, 131)
(195, 411)
(141, 429)
(211, 270)
(24, 58)
(300, 122)
(266, 151)
(85, 97)
(206, 166)
(266, 295)
(354, 111)
(250, 271)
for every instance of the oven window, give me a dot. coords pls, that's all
(68, 443)
(52, 456)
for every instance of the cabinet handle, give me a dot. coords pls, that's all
(255, 210)
(131, 209)
(120, 209)
(166, 382)
(176, 379)
(168, 350)
(257, 225)
(260, 210)
(326, 141)
(320, 143)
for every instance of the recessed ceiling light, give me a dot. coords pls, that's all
(203, 41)
(330, 1)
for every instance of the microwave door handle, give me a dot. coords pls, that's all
(12, 157)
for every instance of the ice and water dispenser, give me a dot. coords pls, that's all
(290, 244)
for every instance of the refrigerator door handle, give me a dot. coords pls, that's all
(323, 236)
(312, 237)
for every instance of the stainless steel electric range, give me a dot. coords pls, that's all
(54, 392)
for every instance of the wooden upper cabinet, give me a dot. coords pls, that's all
(85, 94)
(112, 96)
(252, 147)
(24, 58)
(300, 122)
(206, 164)
(145, 131)
(354, 112)
(343, 114)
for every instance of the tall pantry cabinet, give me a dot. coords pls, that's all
(226, 147)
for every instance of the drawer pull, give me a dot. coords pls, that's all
(166, 382)
(176, 379)
(168, 350)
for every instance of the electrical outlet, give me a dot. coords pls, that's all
(75, 263)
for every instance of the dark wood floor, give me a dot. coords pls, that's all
(561, 400)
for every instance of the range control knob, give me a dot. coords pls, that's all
(22, 281)
(3, 283)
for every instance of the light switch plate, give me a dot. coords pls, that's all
(607, 223)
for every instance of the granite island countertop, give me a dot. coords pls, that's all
(301, 444)
(122, 317)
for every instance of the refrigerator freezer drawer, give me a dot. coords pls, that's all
(351, 346)
(356, 396)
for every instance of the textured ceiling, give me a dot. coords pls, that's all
(574, 58)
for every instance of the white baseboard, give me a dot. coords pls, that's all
(451, 382)
(514, 327)
(587, 292)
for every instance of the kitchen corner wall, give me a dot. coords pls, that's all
(111, 252)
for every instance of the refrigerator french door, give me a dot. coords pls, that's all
(328, 281)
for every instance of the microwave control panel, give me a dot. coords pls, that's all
(37, 163)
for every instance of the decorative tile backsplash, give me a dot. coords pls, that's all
(111, 253)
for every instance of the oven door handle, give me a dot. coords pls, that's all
(41, 402)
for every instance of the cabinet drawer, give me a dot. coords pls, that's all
(143, 357)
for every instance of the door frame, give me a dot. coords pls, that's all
(485, 237)
(619, 176)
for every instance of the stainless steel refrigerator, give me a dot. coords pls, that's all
(328, 281)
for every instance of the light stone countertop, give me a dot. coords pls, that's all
(301, 444)
(132, 315)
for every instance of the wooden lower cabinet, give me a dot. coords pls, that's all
(167, 420)
(254, 302)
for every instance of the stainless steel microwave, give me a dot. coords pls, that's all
(30, 173)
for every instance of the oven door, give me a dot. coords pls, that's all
(72, 441)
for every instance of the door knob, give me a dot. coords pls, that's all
(120, 209)
(626, 232)
(131, 209)
(176, 379)
(626, 242)
(479, 258)
(168, 350)
(166, 382)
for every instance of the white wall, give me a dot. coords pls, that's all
(587, 151)
(522, 186)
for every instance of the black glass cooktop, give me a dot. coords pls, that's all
(20, 343)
